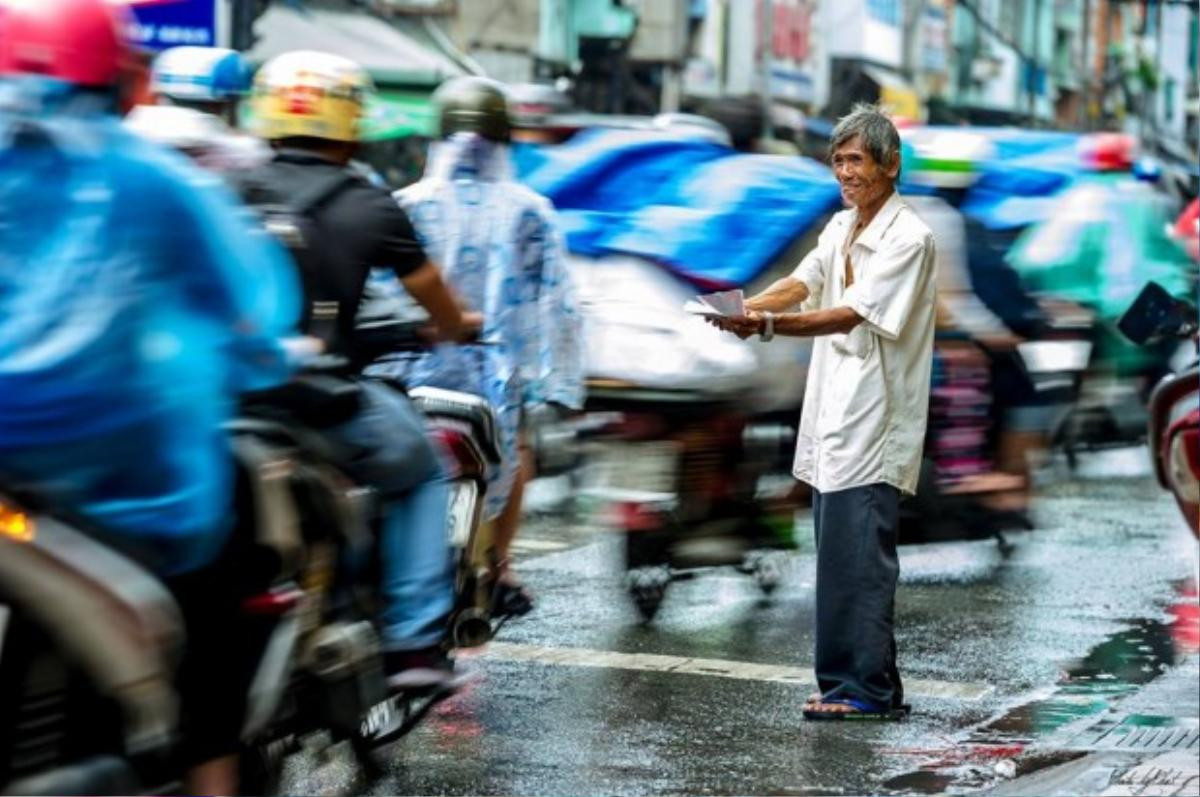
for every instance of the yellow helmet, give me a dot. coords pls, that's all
(312, 95)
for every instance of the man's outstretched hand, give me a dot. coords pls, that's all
(742, 326)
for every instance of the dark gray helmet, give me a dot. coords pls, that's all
(473, 105)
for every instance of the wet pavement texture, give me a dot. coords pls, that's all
(1001, 652)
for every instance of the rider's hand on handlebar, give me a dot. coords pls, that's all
(468, 330)
(472, 327)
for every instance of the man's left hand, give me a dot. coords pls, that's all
(742, 326)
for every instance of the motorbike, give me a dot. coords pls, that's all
(88, 677)
(681, 489)
(678, 438)
(1173, 429)
(960, 494)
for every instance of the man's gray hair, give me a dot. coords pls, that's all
(873, 127)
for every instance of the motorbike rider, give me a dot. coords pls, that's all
(198, 91)
(1021, 418)
(308, 105)
(499, 246)
(135, 303)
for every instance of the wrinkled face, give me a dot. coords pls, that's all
(864, 181)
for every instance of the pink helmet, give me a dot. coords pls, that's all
(77, 41)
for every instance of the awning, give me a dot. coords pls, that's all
(389, 55)
(395, 114)
(895, 93)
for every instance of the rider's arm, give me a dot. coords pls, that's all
(425, 284)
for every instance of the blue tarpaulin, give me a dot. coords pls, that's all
(1020, 184)
(707, 212)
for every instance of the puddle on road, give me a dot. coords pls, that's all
(1120, 665)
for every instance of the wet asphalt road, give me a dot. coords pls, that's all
(569, 702)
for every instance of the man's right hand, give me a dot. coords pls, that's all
(742, 326)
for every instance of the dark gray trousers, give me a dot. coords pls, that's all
(857, 573)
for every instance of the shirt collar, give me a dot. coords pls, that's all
(871, 236)
(295, 155)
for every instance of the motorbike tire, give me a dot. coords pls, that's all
(260, 769)
(647, 587)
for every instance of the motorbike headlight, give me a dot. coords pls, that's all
(16, 525)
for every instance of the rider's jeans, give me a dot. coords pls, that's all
(391, 453)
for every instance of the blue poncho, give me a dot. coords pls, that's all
(135, 300)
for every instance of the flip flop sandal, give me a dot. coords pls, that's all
(512, 600)
(859, 712)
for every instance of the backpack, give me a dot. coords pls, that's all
(292, 223)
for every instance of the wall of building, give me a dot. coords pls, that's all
(937, 44)
(1175, 71)
(869, 30)
(500, 36)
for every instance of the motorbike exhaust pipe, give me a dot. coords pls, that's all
(471, 628)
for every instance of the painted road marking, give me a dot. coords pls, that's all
(716, 668)
(539, 545)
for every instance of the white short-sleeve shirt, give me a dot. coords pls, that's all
(867, 391)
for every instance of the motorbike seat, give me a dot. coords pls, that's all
(318, 399)
(473, 410)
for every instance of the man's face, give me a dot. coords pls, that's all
(863, 180)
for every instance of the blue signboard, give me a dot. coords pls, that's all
(886, 11)
(159, 24)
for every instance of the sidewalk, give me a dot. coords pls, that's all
(1150, 747)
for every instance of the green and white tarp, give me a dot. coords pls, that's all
(396, 114)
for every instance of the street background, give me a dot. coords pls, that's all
(1047, 618)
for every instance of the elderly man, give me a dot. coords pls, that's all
(866, 294)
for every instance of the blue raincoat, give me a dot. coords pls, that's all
(498, 245)
(712, 215)
(136, 299)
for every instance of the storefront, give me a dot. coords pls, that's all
(862, 81)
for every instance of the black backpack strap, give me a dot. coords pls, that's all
(321, 191)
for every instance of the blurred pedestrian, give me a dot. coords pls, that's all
(867, 297)
(199, 90)
(135, 303)
(499, 246)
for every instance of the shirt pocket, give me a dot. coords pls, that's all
(858, 342)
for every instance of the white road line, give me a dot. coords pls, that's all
(539, 545)
(717, 668)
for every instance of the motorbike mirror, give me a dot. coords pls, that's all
(1155, 314)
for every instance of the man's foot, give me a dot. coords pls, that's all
(848, 709)
(428, 668)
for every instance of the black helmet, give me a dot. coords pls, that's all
(473, 105)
